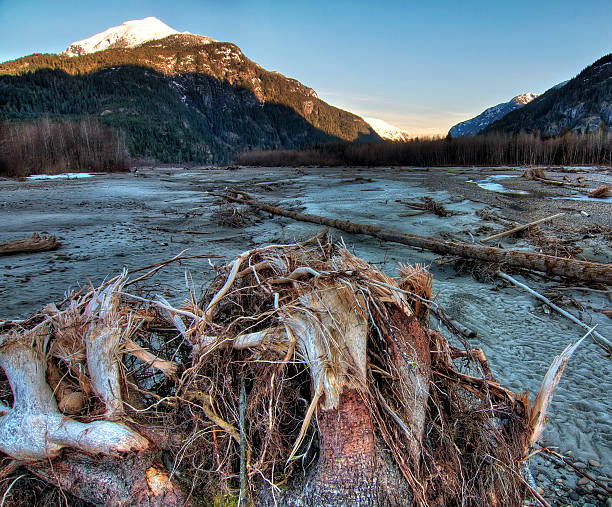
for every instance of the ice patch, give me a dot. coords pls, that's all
(489, 183)
(63, 176)
(581, 197)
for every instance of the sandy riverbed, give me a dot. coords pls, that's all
(110, 221)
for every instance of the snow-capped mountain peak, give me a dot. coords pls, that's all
(387, 131)
(525, 98)
(483, 120)
(126, 35)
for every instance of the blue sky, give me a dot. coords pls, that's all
(422, 66)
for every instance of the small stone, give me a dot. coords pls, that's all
(609, 502)
(559, 481)
(569, 454)
(589, 488)
(582, 481)
(574, 496)
(579, 464)
(594, 463)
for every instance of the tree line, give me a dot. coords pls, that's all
(495, 149)
(52, 147)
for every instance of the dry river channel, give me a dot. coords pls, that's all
(109, 221)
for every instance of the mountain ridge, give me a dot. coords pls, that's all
(475, 125)
(581, 104)
(219, 97)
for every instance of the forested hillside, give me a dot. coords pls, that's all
(582, 105)
(177, 99)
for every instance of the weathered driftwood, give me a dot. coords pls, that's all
(429, 205)
(601, 192)
(560, 266)
(110, 463)
(601, 340)
(520, 227)
(571, 464)
(36, 243)
(539, 174)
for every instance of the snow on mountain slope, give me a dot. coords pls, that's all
(387, 131)
(126, 35)
(474, 125)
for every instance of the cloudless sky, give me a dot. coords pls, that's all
(422, 66)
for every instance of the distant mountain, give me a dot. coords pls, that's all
(387, 131)
(582, 104)
(179, 98)
(490, 115)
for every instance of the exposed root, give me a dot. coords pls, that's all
(347, 390)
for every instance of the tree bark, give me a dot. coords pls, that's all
(134, 480)
(352, 470)
(352, 467)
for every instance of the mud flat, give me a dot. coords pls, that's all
(107, 222)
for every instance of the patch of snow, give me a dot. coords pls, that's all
(127, 35)
(63, 176)
(387, 131)
(490, 183)
(560, 85)
(582, 197)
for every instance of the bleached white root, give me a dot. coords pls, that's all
(102, 343)
(168, 368)
(34, 428)
(331, 331)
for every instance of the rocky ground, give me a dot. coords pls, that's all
(110, 221)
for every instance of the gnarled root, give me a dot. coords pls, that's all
(101, 461)
(349, 398)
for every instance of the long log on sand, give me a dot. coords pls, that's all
(520, 228)
(568, 268)
(36, 243)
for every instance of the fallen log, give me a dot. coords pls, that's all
(568, 268)
(520, 227)
(36, 243)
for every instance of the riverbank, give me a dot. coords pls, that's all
(109, 221)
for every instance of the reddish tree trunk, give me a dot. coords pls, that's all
(354, 467)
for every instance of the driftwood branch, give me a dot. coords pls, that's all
(36, 243)
(568, 268)
(601, 340)
(576, 469)
(521, 227)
